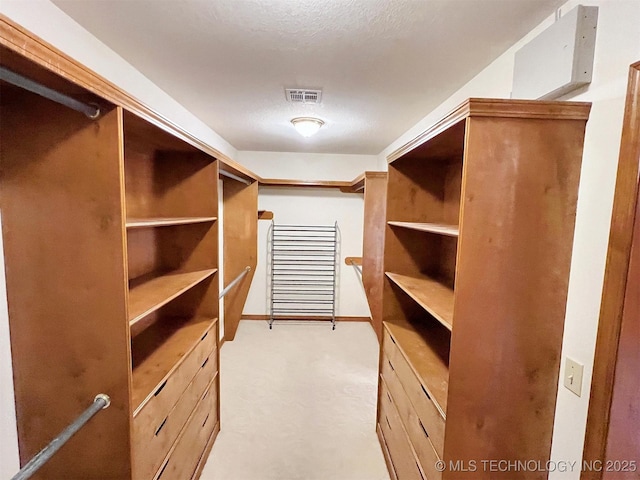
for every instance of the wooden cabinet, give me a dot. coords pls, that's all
(480, 218)
(111, 250)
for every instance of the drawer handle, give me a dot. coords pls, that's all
(387, 419)
(205, 420)
(419, 471)
(204, 336)
(157, 392)
(423, 429)
(389, 362)
(163, 469)
(425, 391)
(392, 339)
(161, 425)
(389, 396)
(205, 362)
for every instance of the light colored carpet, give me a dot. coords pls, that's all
(298, 403)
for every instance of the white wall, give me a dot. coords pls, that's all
(617, 46)
(47, 21)
(311, 206)
(307, 166)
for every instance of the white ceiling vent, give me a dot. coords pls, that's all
(297, 95)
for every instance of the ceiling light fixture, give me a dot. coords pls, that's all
(307, 126)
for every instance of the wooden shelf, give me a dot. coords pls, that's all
(152, 291)
(439, 228)
(166, 221)
(159, 350)
(433, 296)
(285, 182)
(426, 349)
(265, 215)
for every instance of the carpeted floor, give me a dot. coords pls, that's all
(298, 403)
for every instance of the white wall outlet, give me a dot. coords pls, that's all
(573, 376)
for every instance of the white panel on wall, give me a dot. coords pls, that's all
(558, 60)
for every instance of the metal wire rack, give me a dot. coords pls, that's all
(303, 263)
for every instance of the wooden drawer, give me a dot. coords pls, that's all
(153, 436)
(418, 434)
(189, 448)
(385, 452)
(427, 411)
(400, 450)
(168, 392)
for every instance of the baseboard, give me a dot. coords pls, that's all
(338, 319)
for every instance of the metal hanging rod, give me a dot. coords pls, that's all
(91, 111)
(246, 270)
(101, 402)
(224, 173)
(357, 267)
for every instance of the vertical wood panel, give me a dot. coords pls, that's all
(375, 203)
(623, 442)
(615, 282)
(240, 233)
(510, 291)
(63, 230)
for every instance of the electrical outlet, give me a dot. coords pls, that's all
(573, 376)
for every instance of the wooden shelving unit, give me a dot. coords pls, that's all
(111, 246)
(171, 206)
(479, 226)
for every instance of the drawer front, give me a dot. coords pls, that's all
(168, 393)
(385, 452)
(418, 434)
(189, 448)
(402, 457)
(154, 436)
(418, 396)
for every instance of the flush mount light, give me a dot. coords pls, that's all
(307, 126)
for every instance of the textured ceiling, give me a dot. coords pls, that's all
(382, 65)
